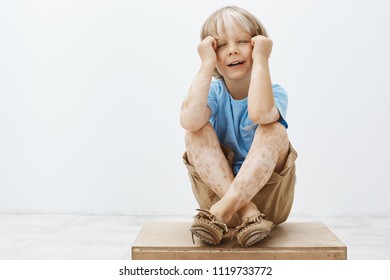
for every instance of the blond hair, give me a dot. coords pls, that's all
(224, 18)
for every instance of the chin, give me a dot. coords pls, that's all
(238, 77)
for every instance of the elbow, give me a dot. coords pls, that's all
(259, 120)
(189, 125)
(185, 123)
(261, 116)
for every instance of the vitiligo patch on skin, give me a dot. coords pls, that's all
(267, 151)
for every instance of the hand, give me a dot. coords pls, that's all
(262, 47)
(207, 51)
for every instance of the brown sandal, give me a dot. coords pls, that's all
(252, 230)
(208, 228)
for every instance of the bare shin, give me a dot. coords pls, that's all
(205, 154)
(267, 154)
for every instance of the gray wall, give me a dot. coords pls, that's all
(90, 93)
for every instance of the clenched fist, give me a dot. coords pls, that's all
(206, 50)
(262, 47)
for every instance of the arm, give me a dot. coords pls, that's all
(261, 104)
(195, 113)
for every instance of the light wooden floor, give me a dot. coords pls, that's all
(67, 237)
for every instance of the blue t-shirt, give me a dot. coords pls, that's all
(230, 120)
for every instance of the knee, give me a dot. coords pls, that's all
(193, 137)
(273, 134)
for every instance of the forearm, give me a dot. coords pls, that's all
(194, 112)
(261, 104)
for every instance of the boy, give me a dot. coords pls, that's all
(239, 158)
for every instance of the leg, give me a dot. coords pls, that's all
(268, 153)
(205, 154)
(276, 198)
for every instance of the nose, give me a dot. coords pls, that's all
(233, 49)
(233, 52)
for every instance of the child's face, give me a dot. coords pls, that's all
(234, 54)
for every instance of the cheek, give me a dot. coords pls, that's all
(220, 61)
(248, 55)
(220, 55)
(248, 50)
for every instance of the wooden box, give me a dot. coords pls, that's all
(288, 241)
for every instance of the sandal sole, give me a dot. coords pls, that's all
(254, 237)
(205, 235)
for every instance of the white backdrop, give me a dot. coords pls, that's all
(90, 93)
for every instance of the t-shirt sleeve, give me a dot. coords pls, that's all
(281, 102)
(212, 100)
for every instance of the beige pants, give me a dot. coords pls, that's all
(274, 200)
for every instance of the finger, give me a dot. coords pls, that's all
(207, 39)
(253, 41)
(211, 40)
(214, 43)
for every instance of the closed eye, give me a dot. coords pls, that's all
(221, 45)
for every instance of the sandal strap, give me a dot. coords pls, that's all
(213, 219)
(246, 221)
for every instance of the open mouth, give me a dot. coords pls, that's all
(235, 63)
